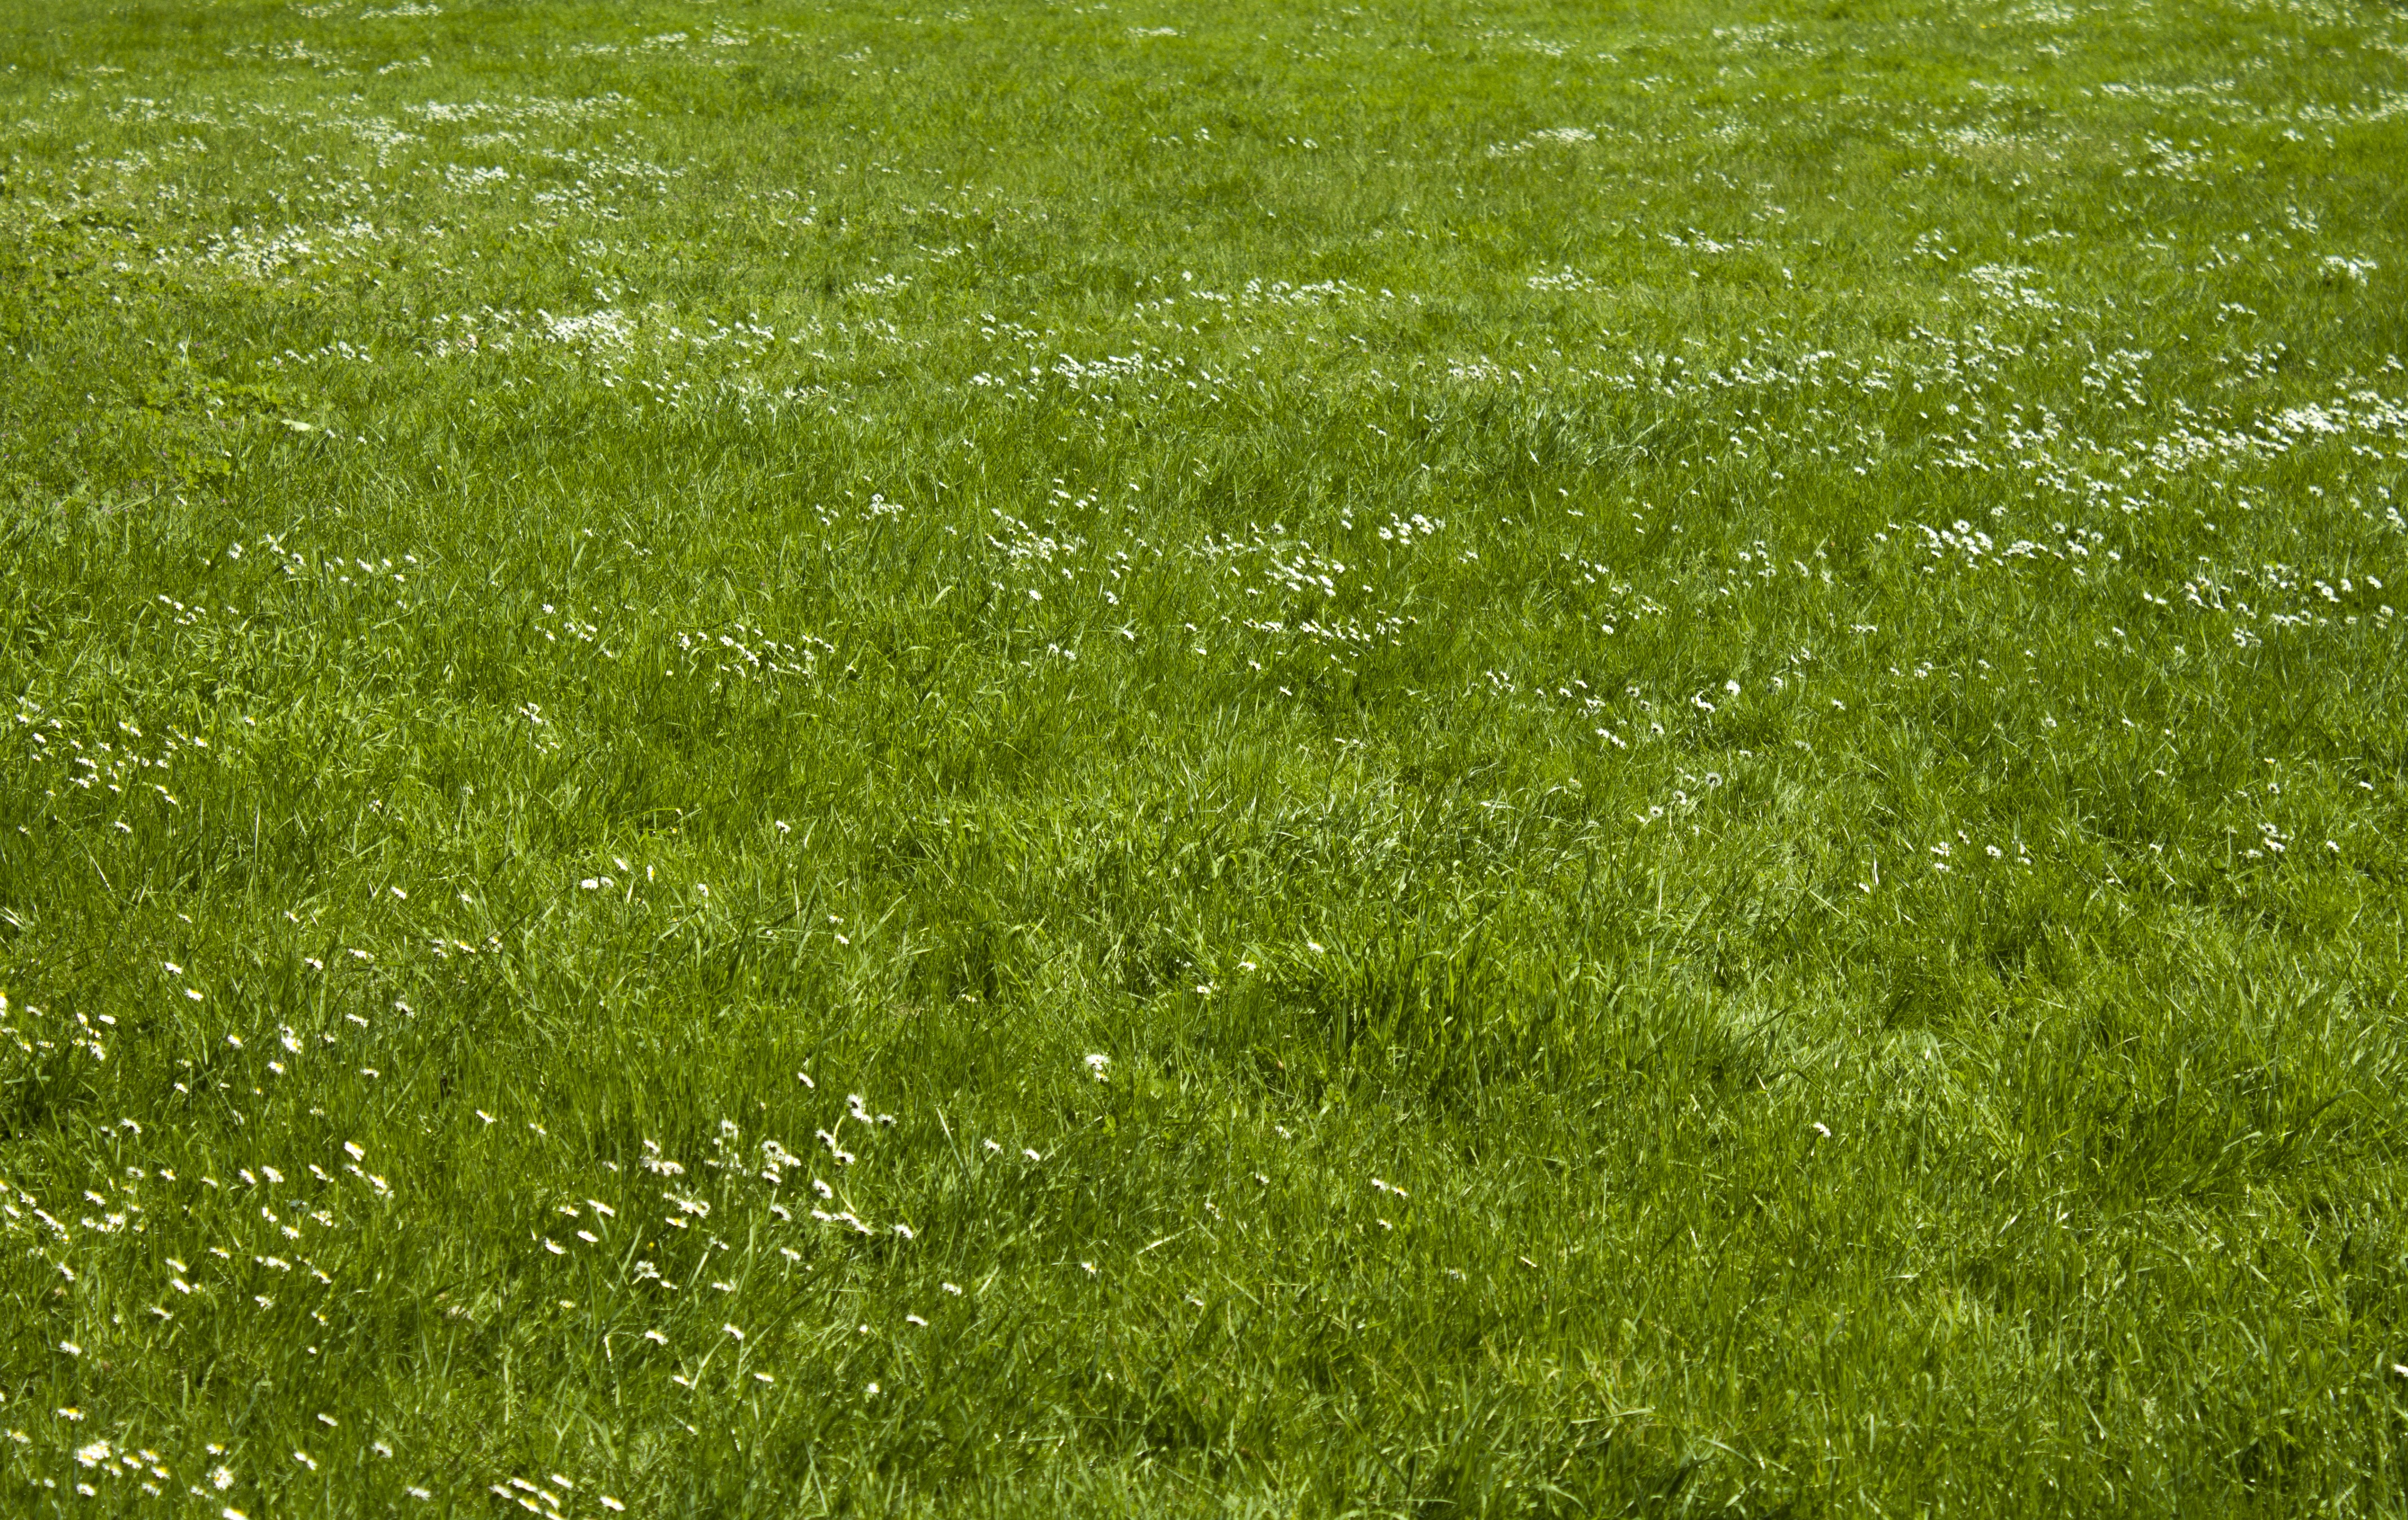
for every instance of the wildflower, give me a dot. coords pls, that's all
(1095, 1065)
(221, 1478)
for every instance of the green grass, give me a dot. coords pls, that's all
(1537, 760)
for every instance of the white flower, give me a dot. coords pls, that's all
(1095, 1065)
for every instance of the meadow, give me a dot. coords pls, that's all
(770, 758)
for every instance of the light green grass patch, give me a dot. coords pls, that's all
(770, 758)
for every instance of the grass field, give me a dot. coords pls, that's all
(1389, 759)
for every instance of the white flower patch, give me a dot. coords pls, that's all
(2011, 285)
(1563, 136)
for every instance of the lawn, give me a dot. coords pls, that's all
(768, 758)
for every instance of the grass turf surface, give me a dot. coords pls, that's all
(1526, 760)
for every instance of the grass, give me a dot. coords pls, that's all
(1526, 760)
